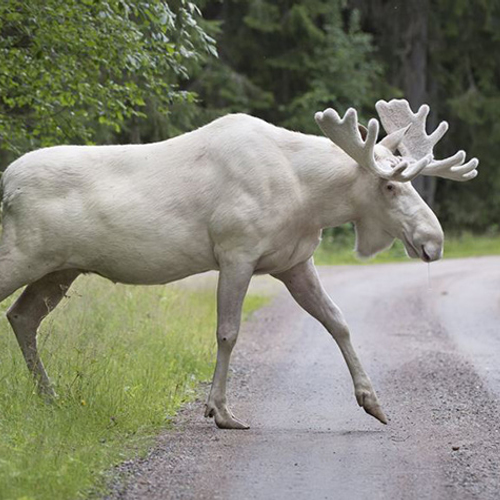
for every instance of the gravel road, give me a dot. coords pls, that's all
(433, 354)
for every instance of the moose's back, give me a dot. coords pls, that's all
(150, 213)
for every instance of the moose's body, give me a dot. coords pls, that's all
(163, 211)
(238, 195)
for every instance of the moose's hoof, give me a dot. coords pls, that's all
(369, 401)
(224, 419)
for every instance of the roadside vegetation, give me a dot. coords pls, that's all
(123, 360)
(337, 248)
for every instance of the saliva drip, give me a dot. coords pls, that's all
(429, 275)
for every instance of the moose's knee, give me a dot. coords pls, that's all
(227, 338)
(13, 317)
(336, 324)
(22, 323)
(340, 331)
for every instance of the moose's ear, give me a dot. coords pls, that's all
(392, 140)
(363, 131)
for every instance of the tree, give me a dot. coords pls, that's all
(401, 31)
(284, 60)
(466, 64)
(72, 71)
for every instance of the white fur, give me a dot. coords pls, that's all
(159, 212)
(238, 195)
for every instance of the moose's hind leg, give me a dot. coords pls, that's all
(303, 283)
(26, 314)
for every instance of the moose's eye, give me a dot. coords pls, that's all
(390, 187)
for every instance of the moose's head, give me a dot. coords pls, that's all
(387, 205)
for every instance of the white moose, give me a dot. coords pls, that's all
(238, 195)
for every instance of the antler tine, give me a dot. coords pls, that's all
(411, 170)
(345, 133)
(454, 168)
(417, 144)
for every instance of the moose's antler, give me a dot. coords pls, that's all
(397, 114)
(346, 134)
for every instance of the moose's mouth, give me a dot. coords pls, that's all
(411, 249)
(421, 252)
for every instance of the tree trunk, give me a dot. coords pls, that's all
(414, 72)
(401, 32)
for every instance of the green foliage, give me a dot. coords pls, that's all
(342, 72)
(123, 360)
(469, 87)
(283, 61)
(70, 71)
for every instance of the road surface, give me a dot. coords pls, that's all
(432, 350)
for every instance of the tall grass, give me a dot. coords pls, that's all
(123, 360)
(337, 251)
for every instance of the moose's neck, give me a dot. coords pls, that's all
(327, 178)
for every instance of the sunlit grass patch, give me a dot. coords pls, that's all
(123, 359)
(470, 245)
(339, 251)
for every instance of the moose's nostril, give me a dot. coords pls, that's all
(425, 255)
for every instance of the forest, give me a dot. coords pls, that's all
(134, 71)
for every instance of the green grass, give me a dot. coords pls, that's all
(123, 360)
(331, 252)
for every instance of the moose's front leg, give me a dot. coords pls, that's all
(303, 283)
(233, 284)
